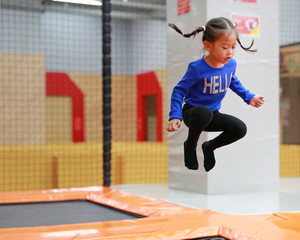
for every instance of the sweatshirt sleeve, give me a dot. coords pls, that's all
(180, 91)
(239, 89)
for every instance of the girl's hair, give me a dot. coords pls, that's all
(212, 31)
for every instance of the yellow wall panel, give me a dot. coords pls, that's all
(78, 165)
(290, 161)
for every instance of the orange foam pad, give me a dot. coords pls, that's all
(162, 220)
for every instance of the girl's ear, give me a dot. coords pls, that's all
(207, 45)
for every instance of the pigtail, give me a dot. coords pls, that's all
(213, 29)
(247, 49)
(187, 35)
(171, 25)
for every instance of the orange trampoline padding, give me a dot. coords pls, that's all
(162, 220)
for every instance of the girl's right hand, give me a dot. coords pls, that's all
(173, 125)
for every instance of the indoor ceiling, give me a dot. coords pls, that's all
(121, 9)
(160, 2)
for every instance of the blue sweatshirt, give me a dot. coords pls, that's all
(203, 85)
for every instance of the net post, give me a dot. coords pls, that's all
(106, 78)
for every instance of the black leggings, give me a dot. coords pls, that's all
(199, 119)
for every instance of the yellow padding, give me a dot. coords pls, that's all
(290, 161)
(78, 165)
(143, 162)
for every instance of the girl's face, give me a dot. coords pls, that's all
(222, 50)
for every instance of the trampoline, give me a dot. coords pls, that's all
(58, 213)
(104, 213)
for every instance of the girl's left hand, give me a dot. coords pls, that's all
(257, 101)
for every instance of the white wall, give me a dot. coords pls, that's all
(181, 51)
(72, 43)
(149, 45)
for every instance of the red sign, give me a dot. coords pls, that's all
(246, 24)
(183, 6)
(250, 1)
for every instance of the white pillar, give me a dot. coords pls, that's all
(252, 163)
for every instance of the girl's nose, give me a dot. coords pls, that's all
(230, 52)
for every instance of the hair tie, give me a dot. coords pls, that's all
(204, 28)
(234, 24)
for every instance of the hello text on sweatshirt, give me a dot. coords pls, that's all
(203, 85)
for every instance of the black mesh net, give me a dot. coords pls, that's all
(51, 94)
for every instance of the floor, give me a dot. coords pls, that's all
(285, 200)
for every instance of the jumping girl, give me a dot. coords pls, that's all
(202, 89)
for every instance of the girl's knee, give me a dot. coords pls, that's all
(241, 130)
